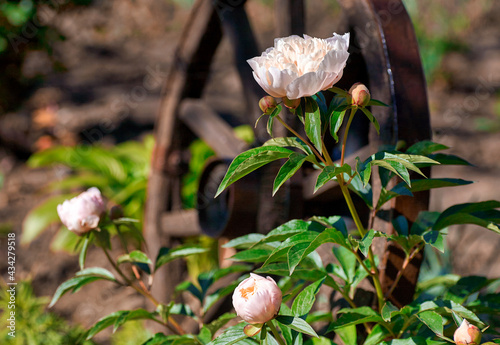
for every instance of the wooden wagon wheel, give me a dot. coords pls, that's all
(384, 55)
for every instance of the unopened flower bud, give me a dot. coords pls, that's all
(116, 212)
(467, 334)
(82, 213)
(360, 95)
(257, 299)
(291, 103)
(267, 104)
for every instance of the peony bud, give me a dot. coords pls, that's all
(360, 94)
(467, 334)
(82, 213)
(257, 299)
(267, 104)
(291, 103)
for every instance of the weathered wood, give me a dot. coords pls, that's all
(187, 77)
(214, 131)
(384, 36)
(180, 223)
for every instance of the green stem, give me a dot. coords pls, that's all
(374, 273)
(275, 332)
(176, 327)
(344, 141)
(302, 138)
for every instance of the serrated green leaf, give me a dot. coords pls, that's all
(306, 298)
(296, 324)
(312, 125)
(249, 161)
(294, 162)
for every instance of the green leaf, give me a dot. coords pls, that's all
(232, 335)
(305, 299)
(257, 254)
(83, 252)
(355, 316)
(425, 148)
(445, 159)
(165, 255)
(73, 285)
(217, 324)
(245, 241)
(281, 269)
(276, 111)
(296, 324)
(348, 334)
(420, 185)
(135, 256)
(313, 124)
(387, 311)
(432, 320)
(289, 142)
(347, 261)
(372, 119)
(96, 272)
(336, 120)
(251, 160)
(376, 336)
(299, 251)
(366, 242)
(282, 248)
(480, 213)
(288, 169)
(117, 319)
(377, 103)
(328, 173)
(288, 229)
(40, 217)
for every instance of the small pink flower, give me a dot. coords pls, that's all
(360, 95)
(257, 299)
(467, 334)
(82, 213)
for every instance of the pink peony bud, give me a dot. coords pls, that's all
(360, 94)
(82, 213)
(257, 299)
(291, 103)
(467, 334)
(267, 104)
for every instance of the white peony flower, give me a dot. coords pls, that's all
(257, 299)
(82, 213)
(298, 67)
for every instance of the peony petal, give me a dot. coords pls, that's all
(306, 85)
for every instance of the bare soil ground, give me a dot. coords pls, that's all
(116, 55)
